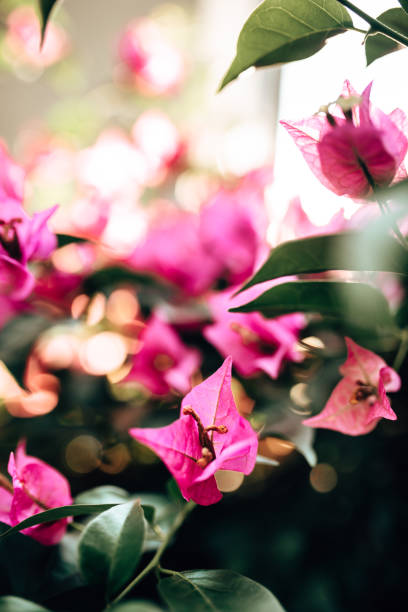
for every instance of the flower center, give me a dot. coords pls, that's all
(9, 238)
(207, 447)
(163, 362)
(363, 392)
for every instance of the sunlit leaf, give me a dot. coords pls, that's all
(359, 303)
(377, 45)
(216, 591)
(111, 546)
(278, 32)
(347, 251)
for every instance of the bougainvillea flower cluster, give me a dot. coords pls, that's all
(209, 435)
(352, 153)
(359, 400)
(35, 487)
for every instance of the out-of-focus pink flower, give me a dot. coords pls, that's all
(296, 224)
(163, 363)
(40, 395)
(173, 250)
(22, 239)
(359, 400)
(351, 153)
(113, 166)
(233, 227)
(23, 39)
(256, 344)
(36, 487)
(11, 178)
(157, 67)
(159, 141)
(210, 435)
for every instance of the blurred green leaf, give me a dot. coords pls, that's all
(378, 45)
(278, 32)
(111, 546)
(359, 303)
(106, 494)
(216, 591)
(57, 513)
(173, 491)
(136, 606)
(64, 239)
(8, 603)
(347, 251)
(46, 7)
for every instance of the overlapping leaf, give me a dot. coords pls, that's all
(279, 32)
(378, 45)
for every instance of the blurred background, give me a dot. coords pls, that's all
(323, 539)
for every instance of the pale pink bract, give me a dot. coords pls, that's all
(359, 400)
(350, 154)
(209, 435)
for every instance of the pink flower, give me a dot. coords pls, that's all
(163, 363)
(351, 153)
(256, 344)
(11, 178)
(173, 250)
(233, 227)
(23, 39)
(36, 487)
(22, 240)
(210, 435)
(157, 66)
(359, 400)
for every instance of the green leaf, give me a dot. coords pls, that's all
(64, 239)
(343, 251)
(111, 546)
(136, 606)
(377, 45)
(9, 603)
(358, 303)
(216, 591)
(106, 494)
(57, 513)
(404, 4)
(46, 7)
(278, 32)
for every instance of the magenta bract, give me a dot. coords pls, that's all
(359, 400)
(209, 435)
(350, 154)
(164, 362)
(37, 487)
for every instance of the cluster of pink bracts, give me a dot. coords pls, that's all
(355, 150)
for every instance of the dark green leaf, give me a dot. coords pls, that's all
(278, 32)
(348, 251)
(64, 239)
(216, 591)
(173, 491)
(404, 4)
(8, 603)
(46, 7)
(361, 304)
(57, 513)
(377, 45)
(111, 546)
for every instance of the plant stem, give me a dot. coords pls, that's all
(178, 521)
(375, 24)
(402, 351)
